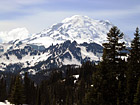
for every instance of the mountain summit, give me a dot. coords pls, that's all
(71, 42)
(78, 28)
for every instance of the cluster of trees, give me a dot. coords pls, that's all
(114, 81)
(117, 80)
(18, 90)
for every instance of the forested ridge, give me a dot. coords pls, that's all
(113, 81)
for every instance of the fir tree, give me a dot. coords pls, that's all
(38, 101)
(137, 95)
(112, 50)
(133, 71)
(17, 93)
(3, 93)
(134, 56)
(110, 66)
(27, 89)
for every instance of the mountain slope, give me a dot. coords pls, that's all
(67, 53)
(78, 28)
(70, 42)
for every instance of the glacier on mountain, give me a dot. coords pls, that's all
(78, 28)
(71, 42)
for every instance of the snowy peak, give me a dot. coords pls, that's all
(78, 28)
(83, 20)
(76, 20)
(71, 42)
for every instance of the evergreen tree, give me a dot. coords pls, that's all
(86, 73)
(137, 95)
(27, 89)
(110, 67)
(17, 93)
(33, 93)
(12, 82)
(113, 49)
(121, 93)
(133, 71)
(134, 56)
(38, 101)
(3, 93)
(45, 94)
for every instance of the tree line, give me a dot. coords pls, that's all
(113, 81)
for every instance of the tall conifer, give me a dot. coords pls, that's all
(133, 71)
(17, 93)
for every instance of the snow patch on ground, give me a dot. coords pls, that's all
(32, 60)
(72, 61)
(31, 71)
(76, 76)
(5, 103)
(88, 54)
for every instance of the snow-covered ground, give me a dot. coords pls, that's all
(5, 103)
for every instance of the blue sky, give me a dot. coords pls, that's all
(37, 15)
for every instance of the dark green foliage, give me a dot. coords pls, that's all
(134, 56)
(29, 90)
(3, 93)
(38, 101)
(137, 95)
(17, 94)
(112, 49)
(133, 71)
(112, 69)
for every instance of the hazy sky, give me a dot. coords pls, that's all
(37, 15)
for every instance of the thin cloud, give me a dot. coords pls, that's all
(39, 14)
(7, 6)
(120, 13)
(18, 33)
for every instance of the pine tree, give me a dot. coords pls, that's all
(86, 73)
(113, 49)
(27, 89)
(33, 93)
(12, 82)
(3, 93)
(137, 95)
(133, 71)
(38, 101)
(17, 93)
(121, 93)
(134, 56)
(110, 66)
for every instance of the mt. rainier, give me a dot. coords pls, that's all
(70, 42)
(78, 28)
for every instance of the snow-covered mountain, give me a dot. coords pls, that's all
(78, 28)
(67, 53)
(70, 42)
